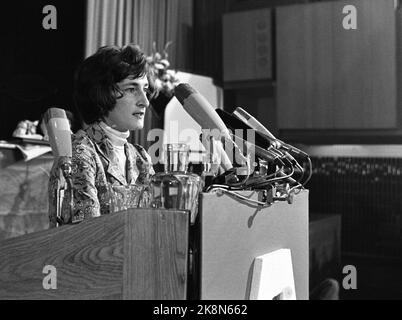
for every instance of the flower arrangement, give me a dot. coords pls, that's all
(165, 78)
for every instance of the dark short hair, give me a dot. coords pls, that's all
(95, 87)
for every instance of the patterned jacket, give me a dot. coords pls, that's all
(95, 171)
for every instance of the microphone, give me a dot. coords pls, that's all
(204, 114)
(262, 146)
(260, 152)
(256, 125)
(200, 109)
(234, 124)
(58, 128)
(252, 122)
(261, 139)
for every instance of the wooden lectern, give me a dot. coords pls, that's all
(144, 253)
(136, 254)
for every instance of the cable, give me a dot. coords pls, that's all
(215, 186)
(243, 197)
(248, 164)
(310, 171)
(302, 172)
(265, 178)
(295, 187)
(258, 181)
(284, 177)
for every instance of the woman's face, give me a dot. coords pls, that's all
(129, 111)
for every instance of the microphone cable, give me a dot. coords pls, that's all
(310, 171)
(244, 198)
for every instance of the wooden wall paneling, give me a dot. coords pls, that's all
(365, 66)
(247, 45)
(242, 5)
(398, 18)
(185, 41)
(293, 78)
(321, 68)
(208, 38)
(351, 63)
(308, 31)
(341, 79)
(383, 107)
(259, 102)
(266, 113)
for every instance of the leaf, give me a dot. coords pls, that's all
(165, 49)
(165, 62)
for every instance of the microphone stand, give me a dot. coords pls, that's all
(65, 207)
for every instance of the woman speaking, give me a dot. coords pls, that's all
(111, 94)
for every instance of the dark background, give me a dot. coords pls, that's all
(37, 65)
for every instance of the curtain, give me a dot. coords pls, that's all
(120, 22)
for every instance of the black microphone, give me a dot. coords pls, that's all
(262, 139)
(262, 145)
(260, 152)
(247, 118)
(234, 124)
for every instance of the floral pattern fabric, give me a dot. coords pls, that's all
(96, 172)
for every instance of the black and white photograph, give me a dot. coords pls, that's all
(206, 156)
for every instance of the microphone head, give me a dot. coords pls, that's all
(198, 107)
(183, 91)
(58, 128)
(235, 124)
(243, 115)
(231, 121)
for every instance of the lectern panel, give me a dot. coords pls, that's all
(234, 233)
(136, 254)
